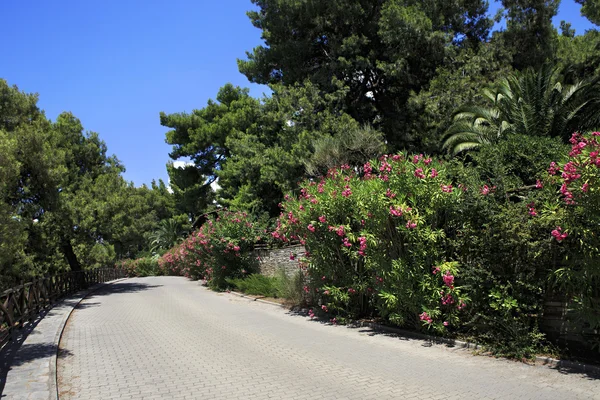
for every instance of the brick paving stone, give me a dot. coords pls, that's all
(168, 337)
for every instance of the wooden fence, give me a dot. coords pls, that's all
(24, 303)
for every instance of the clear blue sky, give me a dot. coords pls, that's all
(117, 64)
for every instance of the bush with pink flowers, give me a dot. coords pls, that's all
(220, 249)
(374, 241)
(578, 180)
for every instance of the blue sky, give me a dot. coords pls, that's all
(117, 64)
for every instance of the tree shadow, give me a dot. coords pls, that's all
(8, 353)
(16, 353)
(121, 288)
(590, 371)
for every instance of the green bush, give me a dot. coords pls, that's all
(378, 242)
(141, 267)
(220, 249)
(258, 285)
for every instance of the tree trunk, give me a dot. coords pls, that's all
(70, 255)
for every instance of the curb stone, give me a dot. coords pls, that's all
(36, 375)
(540, 361)
(245, 296)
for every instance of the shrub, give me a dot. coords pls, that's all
(375, 241)
(220, 249)
(145, 266)
(257, 284)
(576, 236)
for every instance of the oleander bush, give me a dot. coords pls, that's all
(220, 249)
(377, 242)
(144, 266)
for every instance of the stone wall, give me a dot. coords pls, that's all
(272, 260)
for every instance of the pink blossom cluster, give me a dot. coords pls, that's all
(559, 235)
(448, 279)
(363, 245)
(425, 317)
(447, 299)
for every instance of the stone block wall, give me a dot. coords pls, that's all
(272, 260)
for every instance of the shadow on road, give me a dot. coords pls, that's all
(9, 351)
(591, 372)
(16, 353)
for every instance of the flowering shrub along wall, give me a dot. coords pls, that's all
(220, 249)
(379, 241)
(578, 179)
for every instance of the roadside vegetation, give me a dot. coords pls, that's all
(442, 176)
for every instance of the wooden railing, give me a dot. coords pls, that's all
(25, 302)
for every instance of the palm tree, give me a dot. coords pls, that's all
(533, 103)
(166, 235)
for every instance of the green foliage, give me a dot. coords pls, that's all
(534, 103)
(140, 267)
(281, 286)
(257, 284)
(354, 148)
(529, 33)
(63, 201)
(221, 249)
(591, 10)
(377, 51)
(374, 241)
(167, 234)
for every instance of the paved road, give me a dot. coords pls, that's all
(169, 338)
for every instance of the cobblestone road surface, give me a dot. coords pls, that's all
(169, 338)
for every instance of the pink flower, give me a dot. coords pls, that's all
(532, 211)
(311, 313)
(419, 173)
(340, 231)
(446, 323)
(595, 133)
(351, 291)
(390, 194)
(306, 289)
(446, 188)
(448, 279)
(427, 161)
(434, 173)
(311, 228)
(324, 308)
(447, 299)
(292, 256)
(346, 242)
(435, 270)
(411, 225)
(346, 192)
(425, 317)
(461, 306)
(553, 168)
(539, 184)
(323, 278)
(559, 235)
(585, 187)
(322, 219)
(396, 211)
(484, 190)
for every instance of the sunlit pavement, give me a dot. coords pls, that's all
(170, 338)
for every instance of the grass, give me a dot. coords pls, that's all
(280, 286)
